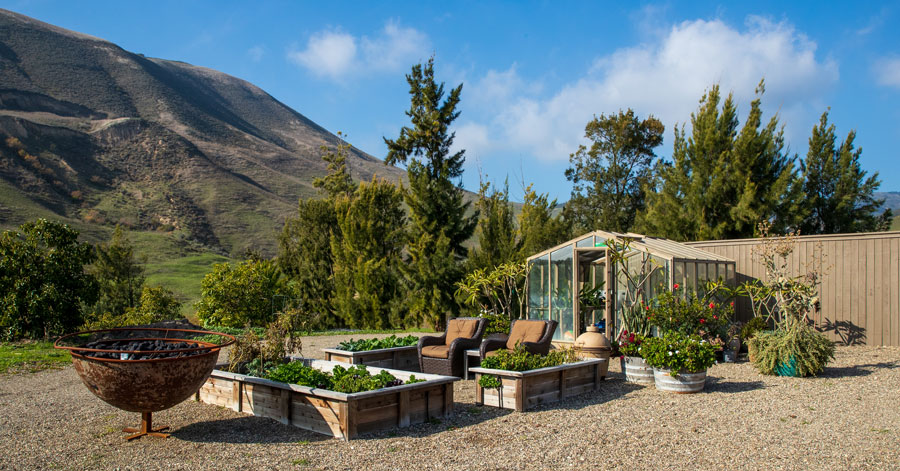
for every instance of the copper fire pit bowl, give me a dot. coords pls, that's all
(146, 385)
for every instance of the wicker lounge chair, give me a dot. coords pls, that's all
(444, 355)
(534, 335)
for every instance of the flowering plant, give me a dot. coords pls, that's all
(678, 353)
(691, 315)
(630, 344)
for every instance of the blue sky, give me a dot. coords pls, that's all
(534, 73)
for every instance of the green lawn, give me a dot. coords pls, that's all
(184, 276)
(29, 357)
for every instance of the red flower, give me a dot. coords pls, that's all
(715, 317)
(732, 304)
(648, 308)
(702, 321)
(676, 286)
(712, 305)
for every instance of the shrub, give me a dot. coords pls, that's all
(235, 296)
(679, 353)
(520, 359)
(690, 315)
(799, 347)
(346, 380)
(43, 285)
(630, 344)
(157, 304)
(751, 328)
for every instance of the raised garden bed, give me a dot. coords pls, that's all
(397, 358)
(526, 389)
(332, 413)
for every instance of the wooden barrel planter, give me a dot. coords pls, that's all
(684, 383)
(523, 390)
(397, 358)
(332, 413)
(637, 371)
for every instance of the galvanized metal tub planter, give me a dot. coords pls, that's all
(523, 390)
(637, 371)
(333, 413)
(684, 383)
(397, 358)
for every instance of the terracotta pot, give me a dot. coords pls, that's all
(593, 344)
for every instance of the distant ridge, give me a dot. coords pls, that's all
(93, 133)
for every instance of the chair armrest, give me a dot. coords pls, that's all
(428, 340)
(536, 348)
(460, 345)
(490, 345)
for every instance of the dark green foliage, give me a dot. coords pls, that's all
(240, 295)
(375, 344)
(42, 280)
(496, 231)
(296, 372)
(520, 359)
(305, 258)
(120, 275)
(367, 278)
(496, 323)
(539, 227)
(689, 314)
(490, 382)
(723, 180)
(799, 344)
(609, 178)
(678, 352)
(839, 197)
(439, 224)
(752, 327)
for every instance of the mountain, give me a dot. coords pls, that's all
(891, 200)
(97, 135)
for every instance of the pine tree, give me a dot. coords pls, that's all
(539, 228)
(609, 178)
(338, 180)
(496, 229)
(120, 275)
(839, 197)
(720, 182)
(439, 223)
(368, 287)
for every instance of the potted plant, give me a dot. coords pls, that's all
(679, 361)
(633, 365)
(794, 349)
(733, 343)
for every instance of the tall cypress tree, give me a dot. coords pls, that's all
(722, 182)
(609, 177)
(839, 197)
(496, 229)
(120, 275)
(439, 224)
(367, 256)
(539, 228)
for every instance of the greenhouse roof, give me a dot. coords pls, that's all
(658, 246)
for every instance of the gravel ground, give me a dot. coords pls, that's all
(848, 418)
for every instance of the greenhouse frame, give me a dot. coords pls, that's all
(630, 267)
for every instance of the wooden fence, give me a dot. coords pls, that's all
(860, 292)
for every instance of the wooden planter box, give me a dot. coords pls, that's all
(397, 358)
(332, 413)
(526, 389)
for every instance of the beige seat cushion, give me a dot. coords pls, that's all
(525, 331)
(461, 328)
(436, 351)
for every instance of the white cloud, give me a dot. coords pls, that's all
(336, 54)
(887, 72)
(327, 54)
(256, 53)
(666, 77)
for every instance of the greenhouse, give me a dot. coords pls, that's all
(593, 278)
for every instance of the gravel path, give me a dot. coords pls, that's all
(848, 418)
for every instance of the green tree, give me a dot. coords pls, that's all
(721, 182)
(609, 178)
(305, 258)
(43, 283)
(236, 296)
(439, 223)
(839, 197)
(367, 279)
(539, 228)
(338, 180)
(119, 273)
(496, 229)
(156, 304)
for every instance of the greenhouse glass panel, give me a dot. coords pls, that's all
(690, 276)
(720, 273)
(679, 274)
(561, 296)
(539, 288)
(586, 242)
